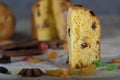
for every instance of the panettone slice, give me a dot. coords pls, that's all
(43, 22)
(83, 37)
(60, 9)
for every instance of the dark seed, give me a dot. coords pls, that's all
(93, 26)
(84, 45)
(69, 31)
(92, 13)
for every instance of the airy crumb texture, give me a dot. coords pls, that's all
(49, 19)
(43, 23)
(60, 9)
(83, 37)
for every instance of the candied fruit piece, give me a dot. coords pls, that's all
(64, 73)
(86, 72)
(56, 72)
(51, 56)
(27, 57)
(15, 72)
(34, 60)
(116, 60)
(91, 67)
(43, 46)
(89, 70)
(98, 63)
(111, 67)
(74, 71)
(65, 46)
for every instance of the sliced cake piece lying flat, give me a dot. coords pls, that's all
(83, 37)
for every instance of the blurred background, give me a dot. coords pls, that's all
(107, 10)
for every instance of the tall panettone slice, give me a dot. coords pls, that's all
(83, 37)
(60, 9)
(43, 22)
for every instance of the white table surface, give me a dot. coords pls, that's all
(110, 48)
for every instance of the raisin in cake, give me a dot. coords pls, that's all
(83, 36)
(43, 23)
(60, 9)
(7, 22)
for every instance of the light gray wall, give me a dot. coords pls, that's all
(22, 8)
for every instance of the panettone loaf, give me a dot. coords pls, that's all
(49, 19)
(7, 22)
(43, 23)
(83, 37)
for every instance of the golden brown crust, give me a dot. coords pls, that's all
(7, 22)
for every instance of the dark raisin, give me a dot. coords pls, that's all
(98, 42)
(96, 57)
(46, 24)
(77, 66)
(94, 26)
(38, 5)
(79, 5)
(67, 62)
(92, 13)
(69, 31)
(89, 46)
(38, 13)
(84, 45)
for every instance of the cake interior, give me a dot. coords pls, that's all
(83, 33)
(44, 20)
(59, 16)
